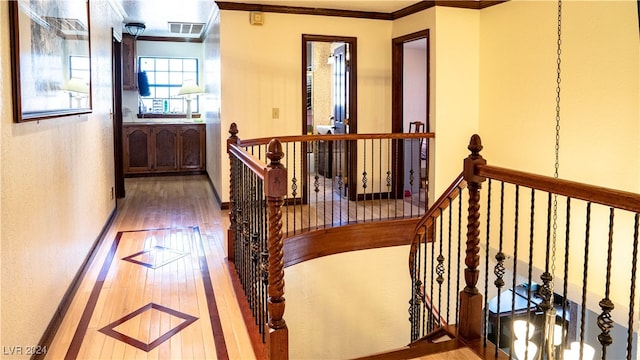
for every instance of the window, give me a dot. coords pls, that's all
(165, 76)
(79, 67)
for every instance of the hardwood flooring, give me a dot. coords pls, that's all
(159, 286)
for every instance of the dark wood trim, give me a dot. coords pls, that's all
(347, 238)
(109, 330)
(214, 317)
(65, 303)
(298, 10)
(397, 100)
(118, 161)
(166, 116)
(81, 330)
(336, 137)
(175, 173)
(409, 10)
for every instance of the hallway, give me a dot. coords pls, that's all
(159, 285)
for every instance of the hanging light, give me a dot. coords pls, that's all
(135, 28)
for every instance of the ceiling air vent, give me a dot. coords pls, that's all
(186, 28)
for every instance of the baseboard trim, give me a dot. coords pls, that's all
(65, 303)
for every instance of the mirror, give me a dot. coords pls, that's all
(50, 58)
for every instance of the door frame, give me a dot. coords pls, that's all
(116, 113)
(353, 104)
(397, 101)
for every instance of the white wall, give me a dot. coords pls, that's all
(56, 180)
(414, 85)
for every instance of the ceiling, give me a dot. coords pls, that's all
(156, 14)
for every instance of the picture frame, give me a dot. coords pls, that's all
(50, 58)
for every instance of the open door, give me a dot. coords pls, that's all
(329, 93)
(410, 110)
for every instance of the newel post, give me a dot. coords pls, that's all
(233, 139)
(470, 326)
(275, 185)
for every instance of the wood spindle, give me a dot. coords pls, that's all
(470, 327)
(275, 190)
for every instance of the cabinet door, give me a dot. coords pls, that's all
(137, 149)
(129, 76)
(165, 148)
(192, 147)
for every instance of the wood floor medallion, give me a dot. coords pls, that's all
(153, 295)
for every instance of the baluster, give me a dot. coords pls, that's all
(233, 139)
(275, 190)
(470, 327)
(632, 301)
(605, 323)
(499, 269)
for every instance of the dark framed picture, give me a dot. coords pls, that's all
(51, 58)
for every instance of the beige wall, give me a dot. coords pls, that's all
(600, 120)
(600, 89)
(261, 70)
(56, 181)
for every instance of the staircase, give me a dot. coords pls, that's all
(497, 246)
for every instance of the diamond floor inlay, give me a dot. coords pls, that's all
(155, 257)
(159, 324)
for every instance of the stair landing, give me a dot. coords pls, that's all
(458, 354)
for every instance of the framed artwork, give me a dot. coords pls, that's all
(51, 58)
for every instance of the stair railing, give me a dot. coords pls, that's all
(295, 184)
(558, 254)
(425, 268)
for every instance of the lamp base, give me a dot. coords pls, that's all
(189, 114)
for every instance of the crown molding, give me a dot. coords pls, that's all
(415, 8)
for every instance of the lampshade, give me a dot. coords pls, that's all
(521, 347)
(520, 329)
(135, 28)
(189, 87)
(77, 85)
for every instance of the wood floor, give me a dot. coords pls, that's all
(159, 286)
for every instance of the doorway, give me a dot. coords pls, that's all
(329, 93)
(116, 86)
(410, 109)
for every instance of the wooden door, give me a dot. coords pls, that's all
(341, 153)
(341, 90)
(165, 148)
(137, 147)
(192, 147)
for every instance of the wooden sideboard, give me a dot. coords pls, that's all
(164, 148)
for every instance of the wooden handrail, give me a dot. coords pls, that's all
(452, 192)
(595, 194)
(335, 137)
(256, 165)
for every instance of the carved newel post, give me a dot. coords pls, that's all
(470, 327)
(233, 139)
(276, 189)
